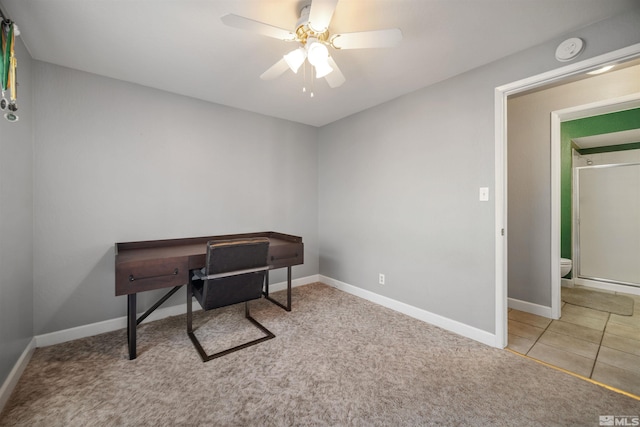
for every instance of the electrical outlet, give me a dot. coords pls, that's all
(381, 279)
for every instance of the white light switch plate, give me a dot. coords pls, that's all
(484, 194)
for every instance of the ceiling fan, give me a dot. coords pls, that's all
(313, 38)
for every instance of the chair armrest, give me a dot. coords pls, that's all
(234, 273)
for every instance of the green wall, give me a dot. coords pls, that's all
(596, 125)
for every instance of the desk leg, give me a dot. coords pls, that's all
(131, 325)
(279, 304)
(289, 288)
(189, 307)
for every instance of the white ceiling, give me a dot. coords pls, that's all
(181, 46)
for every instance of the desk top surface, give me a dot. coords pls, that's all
(156, 264)
(186, 247)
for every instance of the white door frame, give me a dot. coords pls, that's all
(501, 94)
(597, 108)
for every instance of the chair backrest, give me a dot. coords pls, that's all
(236, 270)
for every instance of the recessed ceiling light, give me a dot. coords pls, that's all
(601, 70)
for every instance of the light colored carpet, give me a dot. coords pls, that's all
(617, 304)
(336, 360)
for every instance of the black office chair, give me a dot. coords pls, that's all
(235, 272)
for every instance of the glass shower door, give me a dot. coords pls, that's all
(608, 238)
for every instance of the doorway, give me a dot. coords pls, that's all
(553, 77)
(553, 274)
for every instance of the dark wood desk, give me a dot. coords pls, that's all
(158, 264)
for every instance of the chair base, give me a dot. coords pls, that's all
(207, 357)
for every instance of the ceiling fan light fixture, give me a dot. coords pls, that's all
(316, 52)
(295, 59)
(322, 69)
(313, 37)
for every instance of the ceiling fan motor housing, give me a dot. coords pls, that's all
(304, 30)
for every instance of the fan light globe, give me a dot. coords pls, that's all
(317, 53)
(322, 69)
(295, 59)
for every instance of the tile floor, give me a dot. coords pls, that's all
(595, 344)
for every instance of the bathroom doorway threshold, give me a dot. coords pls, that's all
(573, 374)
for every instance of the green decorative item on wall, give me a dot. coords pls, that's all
(7, 46)
(8, 65)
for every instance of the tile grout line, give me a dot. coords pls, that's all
(528, 324)
(593, 368)
(538, 339)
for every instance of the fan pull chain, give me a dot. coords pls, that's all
(304, 80)
(311, 96)
(304, 77)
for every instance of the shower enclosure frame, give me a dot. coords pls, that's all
(575, 231)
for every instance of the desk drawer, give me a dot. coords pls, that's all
(286, 255)
(138, 276)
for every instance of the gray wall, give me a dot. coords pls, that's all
(391, 190)
(120, 162)
(16, 223)
(529, 152)
(398, 186)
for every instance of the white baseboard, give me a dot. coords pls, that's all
(417, 313)
(15, 374)
(83, 331)
(161, 313)
(294, 283)
(530, 307)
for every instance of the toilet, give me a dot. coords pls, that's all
(565, 266)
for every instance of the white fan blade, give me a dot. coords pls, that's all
(334, 78)
(276, 70)
(321, 13)
(367, 39)
(247, 24)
